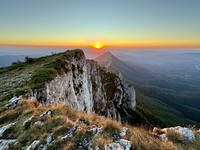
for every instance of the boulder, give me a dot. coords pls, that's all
(39, 123)
(113, 146)
(125, 144)
(49, 139)
(33, 145)
(4, 144)
(123, 132)
(4, 128)
(13, 102)
(120, 145)
(185, 132)
(28, 121)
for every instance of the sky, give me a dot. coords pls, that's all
(114, 23)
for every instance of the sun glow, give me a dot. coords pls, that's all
(97, 45)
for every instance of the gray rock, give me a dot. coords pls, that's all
(125, 144)
(95, 130)
(43, 114)
(4, 128)
(13, 102)
(49, 113)
(188, 134)
(123, 132)
(120, 145)
(185, 132)
(39, 123)
(70, 133)
(84, 144)
(113, 146)
(4, 144)
(96, 147)
(49, 139)
(44, 147)
(33, 145)
(28, 121)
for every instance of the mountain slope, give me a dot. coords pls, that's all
(144, 81)
(134, 72)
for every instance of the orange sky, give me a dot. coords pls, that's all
(113, 23)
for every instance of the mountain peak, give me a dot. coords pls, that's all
(105, 59)
(106, 54)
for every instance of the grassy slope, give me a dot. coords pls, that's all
(17, 75)
(32, 73)
(63, 118)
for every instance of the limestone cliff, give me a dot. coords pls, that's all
(89, 87)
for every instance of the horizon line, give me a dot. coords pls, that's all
(105, 46)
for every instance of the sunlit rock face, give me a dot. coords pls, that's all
(89, 87)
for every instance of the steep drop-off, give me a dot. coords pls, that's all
(88, 87)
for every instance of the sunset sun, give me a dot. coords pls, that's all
(97, 45)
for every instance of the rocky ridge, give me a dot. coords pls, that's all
(89, 87)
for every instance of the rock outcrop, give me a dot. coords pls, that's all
(186, 133)
(89, 87)
(4, 128)
(120, 145)
(4, 144)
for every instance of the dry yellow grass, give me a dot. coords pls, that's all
(63, 118)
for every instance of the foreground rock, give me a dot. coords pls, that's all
(33, 145)
(186, 133)
(13, 102)
(27, 121)
(4, 144)
(4, 128)
(120, 145)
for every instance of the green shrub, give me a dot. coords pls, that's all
(15, 65)
(29, 59)
(48, 72)
(22, 91)
(42, 76)
(6, 97)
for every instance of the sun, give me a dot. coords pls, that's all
(98, 45)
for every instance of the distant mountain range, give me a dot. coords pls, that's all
(7, 60)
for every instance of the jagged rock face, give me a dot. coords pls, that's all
(89, 87)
